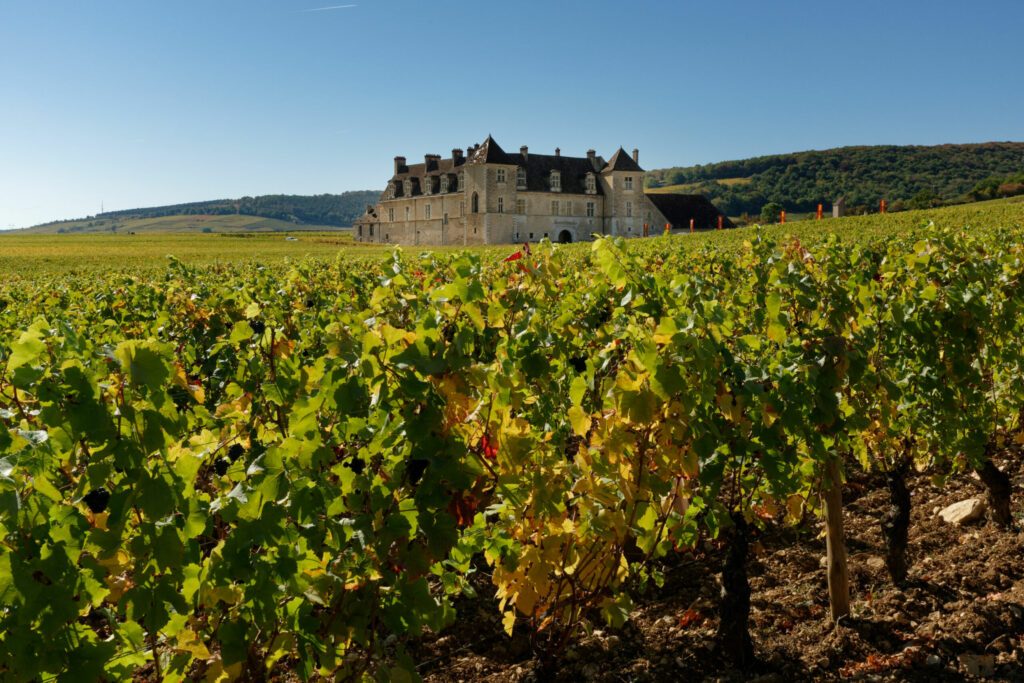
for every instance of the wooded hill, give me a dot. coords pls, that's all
(906, 176)
(334, 210)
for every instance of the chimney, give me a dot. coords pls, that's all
(457, 156)
(558, 151)
(525, 151)
(636, 155)
(399, 165)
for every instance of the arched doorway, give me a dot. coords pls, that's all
(565, 237)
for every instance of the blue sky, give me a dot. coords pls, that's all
(139, 103)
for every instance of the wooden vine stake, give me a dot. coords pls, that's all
(821, 211)
(691, 225)
(835, 541)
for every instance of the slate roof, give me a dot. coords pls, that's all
(680, 208)
(490, 152)
(574, 172)
(538, 167)
(621, 161)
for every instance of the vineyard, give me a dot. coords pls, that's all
(313, 469)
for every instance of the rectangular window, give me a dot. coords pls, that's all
(554, 208)
(501, 205)
(371, 231)
(521, 178)
(629, 209)
(590, 209)
(446, 219)
(407, 214)
(629, 182)
(556, 181)
(567, 208)
(501, 175)
(462, 208)
(359, 230)
(531, 235)
(391, 215)
(520, 206)
(426, 212)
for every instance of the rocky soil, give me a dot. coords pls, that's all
(959, 616)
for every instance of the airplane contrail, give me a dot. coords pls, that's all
(324, 9)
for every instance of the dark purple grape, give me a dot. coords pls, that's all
(97, 500)
(416, 468)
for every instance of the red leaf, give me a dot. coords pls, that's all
(690, 617)
(490, 449)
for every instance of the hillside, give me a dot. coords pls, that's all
(172, 223)
(907, 176)
(280, 212)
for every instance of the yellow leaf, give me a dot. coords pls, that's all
(509, 622)
(99, 520)
(580, 421)
(189, 642)
(795, 506)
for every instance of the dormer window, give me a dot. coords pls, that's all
(521, 178)
(556, 181)
(628, 182)
(426, 186)
(460, 182)
(407, 187)
(391, 190)
(501, 175)
(444, 184)
(591, 184)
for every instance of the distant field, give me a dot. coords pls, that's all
(179, 223)
(687, 188)
(24, 255)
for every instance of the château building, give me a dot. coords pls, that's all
(488, 196)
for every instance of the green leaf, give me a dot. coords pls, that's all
(145, 363)
(29, 347)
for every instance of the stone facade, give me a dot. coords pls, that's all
(488, 196)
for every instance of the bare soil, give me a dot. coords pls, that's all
(959, 616)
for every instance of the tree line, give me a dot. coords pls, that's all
(339, 210)
(907, 176)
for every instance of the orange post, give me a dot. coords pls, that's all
(882, 206)
(820, 211)
(720, 221)
(691, 225)
(646, 230)
(782, 216)
(668, 228)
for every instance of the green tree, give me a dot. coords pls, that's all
(770, 212)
